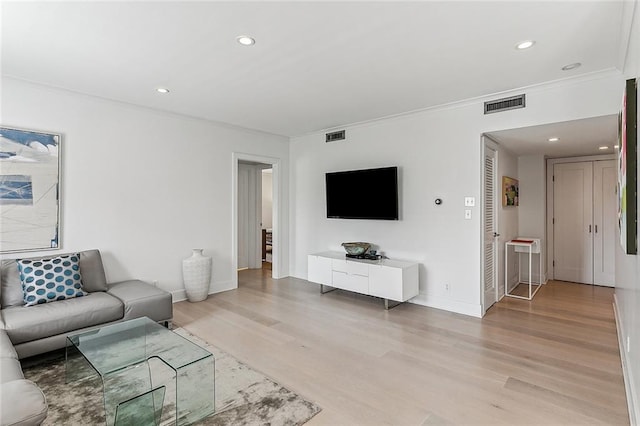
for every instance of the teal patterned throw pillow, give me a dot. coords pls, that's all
(48, 280)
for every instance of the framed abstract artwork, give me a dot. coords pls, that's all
(510, 192)
(627, 169)
(29, 190)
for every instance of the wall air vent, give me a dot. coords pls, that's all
(335, 136)
(504, 104)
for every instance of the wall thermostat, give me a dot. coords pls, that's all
(438, 201)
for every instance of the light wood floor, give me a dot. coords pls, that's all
(552, 361)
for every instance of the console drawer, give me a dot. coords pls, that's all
(355, 268)
(356, 283)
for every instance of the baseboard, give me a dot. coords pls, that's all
(218, 287)
(178, 296)
(448, 305)
(633, 401)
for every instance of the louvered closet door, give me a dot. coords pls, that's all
(490, 229)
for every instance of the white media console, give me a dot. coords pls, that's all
(394, 280)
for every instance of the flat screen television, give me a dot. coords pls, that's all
(363, 194)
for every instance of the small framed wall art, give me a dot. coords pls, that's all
(510, 192)
(29, 190)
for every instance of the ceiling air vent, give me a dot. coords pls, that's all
(504, 104)
(335, 136)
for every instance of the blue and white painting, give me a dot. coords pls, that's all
(29, 190)
(16, 189)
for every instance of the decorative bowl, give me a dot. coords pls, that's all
(356, 249)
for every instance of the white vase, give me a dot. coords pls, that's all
(196, 273)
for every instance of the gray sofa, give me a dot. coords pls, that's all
(28, 331)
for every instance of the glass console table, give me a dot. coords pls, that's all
(147, 371)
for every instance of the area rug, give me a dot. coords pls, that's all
(243, 396)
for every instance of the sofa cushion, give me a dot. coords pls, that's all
(92, 269)
(23, 403)
(24, 324)
(10, 369)
(143, 300)
(11, 294)
(6, 347)
(50, 280)
(93, 277)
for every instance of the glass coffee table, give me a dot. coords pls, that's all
(149, 373)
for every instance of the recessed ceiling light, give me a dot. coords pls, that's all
(245, 40)
(162, 90)
(525, 44)
(602, 148)
(554, 139)
(572, 66)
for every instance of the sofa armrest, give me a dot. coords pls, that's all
(22, 403)
(141, 299)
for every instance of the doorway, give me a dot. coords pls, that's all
(247, 213)
(583, 219)
(525, 154)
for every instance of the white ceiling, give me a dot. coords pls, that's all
(315, 65)
(575, 138)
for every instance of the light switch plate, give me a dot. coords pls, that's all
(467, 214)
(469, 201)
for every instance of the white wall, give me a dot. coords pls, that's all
(627, 291)
(438, 152)
(532, 212)
(507, 220)
(141, 185)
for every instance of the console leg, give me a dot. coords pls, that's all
(323, 291)
(393, 304)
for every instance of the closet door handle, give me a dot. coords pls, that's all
(589, 228)
(596, 228)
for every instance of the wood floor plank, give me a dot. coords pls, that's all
(580, 406)
(552, 360)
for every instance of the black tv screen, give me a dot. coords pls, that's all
(363, 194)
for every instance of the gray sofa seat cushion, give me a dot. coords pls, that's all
(143, 300)
(24, 324)
(23, 404)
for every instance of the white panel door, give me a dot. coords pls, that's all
(243, 216)
(255, 218)
(604, 222)
(490, 281)
(249, 216)
(572, 222)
